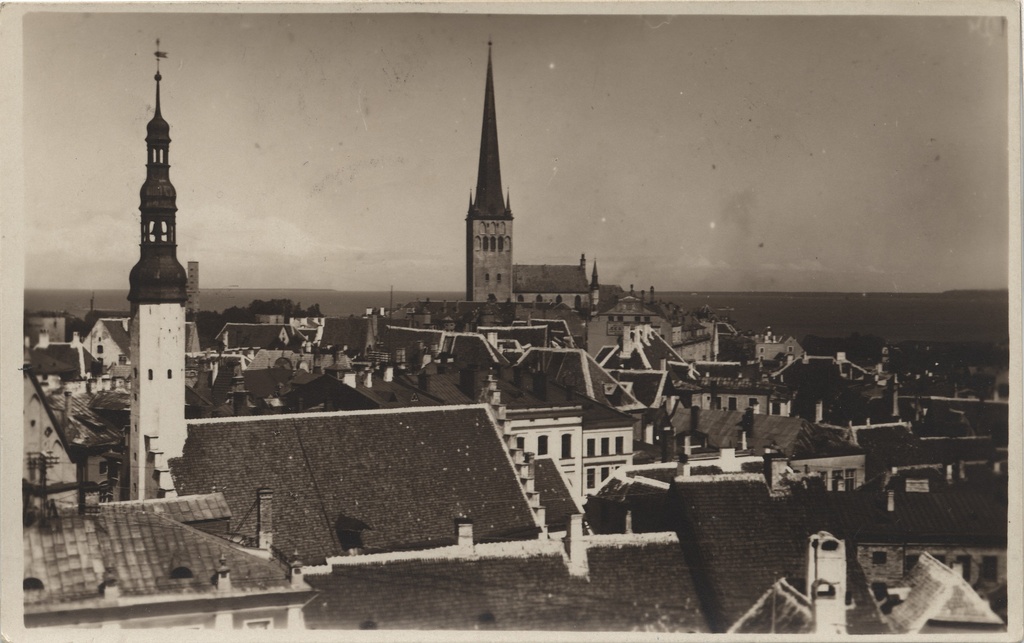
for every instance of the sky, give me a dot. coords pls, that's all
(685, 152)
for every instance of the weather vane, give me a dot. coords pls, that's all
(159, 54)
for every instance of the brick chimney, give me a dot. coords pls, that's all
(265, 518)
(576, 546)
(464, 534)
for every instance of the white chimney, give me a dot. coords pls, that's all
(819, 411)
(368, 379)
(389, 373)
(44, 339)
(349, 378)
(890, 501)
(629, 522)
(111, 591)
(576, 546)
(464, 534)
(264, 518)
(223, 577)
(826, 581)
(492, 338)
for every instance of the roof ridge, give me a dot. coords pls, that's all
(329, 414)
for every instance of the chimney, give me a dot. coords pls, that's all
(492, 338)
(743, 439)
(264, 518)
(576, 546)
(683, 466)
(694, 419)
(583, 262)
(895, 396)
(949, 474)
(223, 576)
(464, 534)
(389, 373)
(368, 378)
(239, 397)
(628, 345)
(423, 381)
(826, 581)
(110, 590)
(774, 470)
(124, 324)
(756, 406)
(667, 443)
(369, 312)
(400, 356)
(629, 522)
(349, 378)
(44, 339)
(841, 356)
(890, 501)
(961, 470)
(819, 411)
(295, 567)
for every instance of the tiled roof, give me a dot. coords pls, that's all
(118, 334)
(112, 400)
(267, 382)
(59, 359)
(897, 446)
(648, 386)
(742, 540)
(722, 428)
(940, 593)
(412, 338)
(472, 348)
(548, 278)
(257, 336)
(184, 509)
(85, 429)
(644, 586)
(576, 369)
(606, 510)
(534, 335)
(555, 495)
(354, 332)
(143, 547)
(407, 474)
(631, 305)
(782, 609)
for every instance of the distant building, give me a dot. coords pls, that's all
(769, 346)
(490, 273)
(109, 341)
(192, 288)
(53, 323)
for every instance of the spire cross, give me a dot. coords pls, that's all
(159, 54)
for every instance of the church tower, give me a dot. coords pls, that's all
(157, 296)
(489, 220)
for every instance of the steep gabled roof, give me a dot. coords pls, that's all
(547, 278)
(405, 473)
(117, 333)
(532, 335)
(648, 386)
(555, 494)
(258, 336)
(84, 429)
(354, 332)
(939, 593)
(576, 369)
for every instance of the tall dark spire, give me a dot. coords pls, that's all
(489, 202)
(593, 278)
(157, 277)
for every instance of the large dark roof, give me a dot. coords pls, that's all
(258, 336)
(648, 386)
(117, 333)
(897, 446)
(407, 474)
(354, 332)
(546, 278)
(59, 359)
(576, 369)
(85, 429)
(186, 509)
(645, 586)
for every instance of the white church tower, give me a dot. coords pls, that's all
(157, 296)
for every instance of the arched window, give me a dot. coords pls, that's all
(483, 228)
(558, 299)
(487, 276)
(181, 572)
(168, 373)
(478, 242)
(499, 277)
(494, 243)
(540, 298)
(31, 583)
(508, 244)
(99, 349)
(519, 299)
(502, 228)
(501, 244)
(150, 373)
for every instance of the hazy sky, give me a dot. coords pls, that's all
(689, 152)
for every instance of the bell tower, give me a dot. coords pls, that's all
(489, 220)
(157, 295)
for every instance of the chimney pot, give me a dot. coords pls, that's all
(223, 576)
(464, 533)
(110, 589)
(264, 518)
(890, 500)
(629, 522)
(577, 547)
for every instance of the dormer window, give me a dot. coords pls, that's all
(181, 572)
(32, 584)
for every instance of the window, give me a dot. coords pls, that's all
(519, 298)
(487, 276)
(181, 572)
(837, 480)
(499, 277)
(776, 408)
(567, 446)
(558, 299)
(989, 568)
(604, 473)
(542, 445)
(590, 478)
(879, 557)
(136, 371)
(910, 562)
(99, 349)
(732, 403)
(32, 583)
(540, 298)
(591, 447)
(789, 349)
(168, 373)
(520, 443)
(604, 446)
(150, 373)
(965, 565)
(851, 479)
(258, 624)
(103, 468)
(619, 444)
